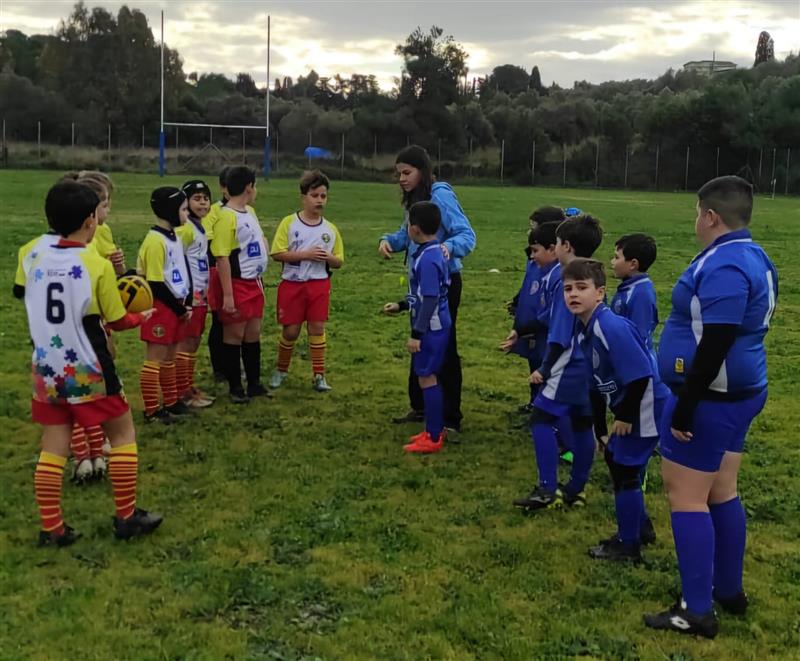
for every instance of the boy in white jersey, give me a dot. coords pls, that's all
(308, 246)
(162, 263)
(195, 241)
(70, 292)
(241, 252)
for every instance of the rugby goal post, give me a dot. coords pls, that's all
(162, 160)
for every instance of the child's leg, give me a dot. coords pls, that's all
(123, 463)
(251, 353)
(583, 453)
(215, 345)
(49, 474)
(96, 437)
(628, 499)
(79, 446)
(150, 376)
(288, 338)
(434, 406)
(232, 338)
(167, 376)
(185, 360)
(317, 344)
(545, 446)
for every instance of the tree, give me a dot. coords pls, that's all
(432, 67)
(245, 85)
(509, 78)
(765, 49)
(536, 80)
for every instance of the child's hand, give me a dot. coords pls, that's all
(414, 346)
(621, 428)
(391, 309)
(117, 258)
(318, 255)
(385, 249)
(507, 344)
(186, 316)
(146, 314)
(536, 378)
(228, 306)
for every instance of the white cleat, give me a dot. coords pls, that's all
(100, 467)
(84, 471)
(320, 384)
(277, 379)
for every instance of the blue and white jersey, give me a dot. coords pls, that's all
(526, 315)
(732, 281)
(551, 276)
(618, 355)
(636, 300)
(429, 277)
(569, 378)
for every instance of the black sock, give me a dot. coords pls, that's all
(231, 364)
(215, 350)
(251, 357)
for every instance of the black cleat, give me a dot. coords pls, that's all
(411, 416)
(258, 391)
(683, 621)
(138, 524)
(163, 416)
(67, 538)
(538, 499)
(238, 396)
(179, 408)
(647, 533)
(571, 499)
(617, 551)
(525, 409)
(735, 605)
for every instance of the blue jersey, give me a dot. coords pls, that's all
(526, 316)
(636, 300)
(732, 281)
(568, 382)
(430, 277)
(618, 355)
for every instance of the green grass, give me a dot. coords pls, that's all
(296, 528)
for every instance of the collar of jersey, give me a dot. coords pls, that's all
(321, 220)
(63, 243)
(597, 312)
(170, 234)
(422, 246)
(736, 235)
(197, 223)
(630, 282)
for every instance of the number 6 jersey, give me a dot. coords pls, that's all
(69, 290)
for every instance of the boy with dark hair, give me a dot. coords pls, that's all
(430, 320)
(70, 291)
(241, 252)
(162, 262)
(635, 299)
(562, 406)
(625, 374)
(309, 246)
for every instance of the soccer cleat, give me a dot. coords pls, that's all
(411, 416)
(320, 384)
(277, 379)
(570, 499)
(617, 551)
(679, 619)
(163, 416)
(67, 538)
(100, 468)
(138, 524)
(417, 437)
(647, 533)
(84, 471)
(196, 392)
(258, 391)
(425, 444)
(179, 409)
(238, 396)
(538, 499)
(525, 409)
(197, 402)
(735, 605)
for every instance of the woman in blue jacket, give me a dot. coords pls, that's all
(415, 175)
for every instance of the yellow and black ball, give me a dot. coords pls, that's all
(135, 293)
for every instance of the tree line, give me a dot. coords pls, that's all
(99, 69)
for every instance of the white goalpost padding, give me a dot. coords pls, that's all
(162, 161)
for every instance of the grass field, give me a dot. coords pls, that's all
(296, 528)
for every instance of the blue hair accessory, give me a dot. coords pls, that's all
(572, 211)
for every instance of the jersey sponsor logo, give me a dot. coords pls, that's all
(254, 249)
(607, 388)
(326, 238)
(679, 367)
(176, 276)
(202, 264)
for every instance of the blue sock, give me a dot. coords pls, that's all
(629, 504)
(583, 456)
(564, 434)
(434, 411)
(730, 532)
(544, 442)
(694, 546)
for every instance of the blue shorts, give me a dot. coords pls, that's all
(559, 409)
(632, 450)
(717, 428)
(430, 358)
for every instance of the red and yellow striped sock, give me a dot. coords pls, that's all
(148, 379)
(183, 368)
(316, 345)
(78, 446)
(96, 437)
(285, 349)
(168, 380)
(47, 486)
(123, 462)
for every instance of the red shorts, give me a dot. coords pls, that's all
(248, 297)
(164, 327)
(214, 293)
(197, 324)
(88, 414)
(303, 301)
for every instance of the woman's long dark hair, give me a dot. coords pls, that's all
(417, 157)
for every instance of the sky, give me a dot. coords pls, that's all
(568, 40)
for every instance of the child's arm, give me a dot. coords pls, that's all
(394, 242)
(150, 266)
(226, 283)
(222, 245)
(112, 311)
(336, 257)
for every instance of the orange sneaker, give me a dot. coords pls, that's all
(426, 445)
(417, 437)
